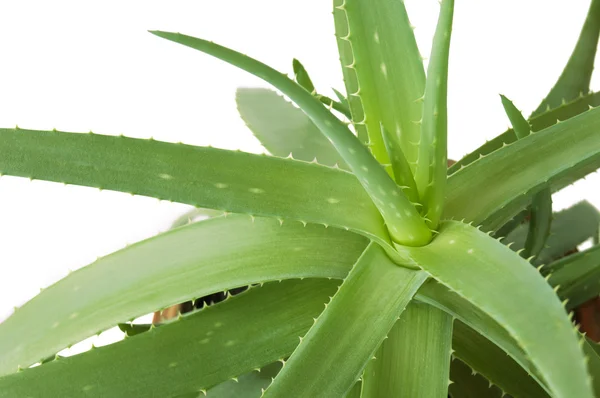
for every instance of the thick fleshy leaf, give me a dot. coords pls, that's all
(563, 112)
(199, 351)
(490, 361)
(414, 360)
(482, 270)
(496, 187)
(541, 203)
(284, 129)
(203, 177)
(388, 70)
(431, 170)
(467, 384)
(577, 276)
(348, 332)
(570, 227)
(179, 265)
(404, 222)
(575, 78)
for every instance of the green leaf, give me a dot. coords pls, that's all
(414, 360)
(401, 168)
(577, 277)
(302, 77)
(284, 129)
(203, 349)
(575, 78)
(349, 73)
(490, 361)
(343, 100)
(467, 384)
(432, 167)
(249, 385)
(203, 177)
(192, 261)
(355, 392)
(541, 204)
(389, 79)
(348, 332)
(482, 270)
(404, 222)
(570, 227)
(494, 188)
(303, 80)
(538, 123)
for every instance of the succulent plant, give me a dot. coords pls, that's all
(372, 269)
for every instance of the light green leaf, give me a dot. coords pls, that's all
(575, 78)
(414, 360)
(390, 80)
(249, 385)
(203, 177)
(188, 262)
(432, 164)
(467, 384)
(570, 227)
(541, 204)
(563, 112)
(348, 332)
(496, 187)
(401, 168)
(203, 349)
(490, 361)
(481, 270)
(284, 129)
(404, 222)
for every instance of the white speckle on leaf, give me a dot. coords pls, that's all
(351, 151)
(470, 251)
(384, 70)
(333, 200)
(73, 315)
(256, 190)
(376, 37)
(204, 341)
(55, 325)
(365, 168)
(218, 324)
(172, 364)
(452, 241)
(220, 185)
(87, 388)
(230, 343)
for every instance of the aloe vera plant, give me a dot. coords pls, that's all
(370, 268)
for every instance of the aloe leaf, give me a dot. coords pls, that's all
(541, 204)
(414, 360)
(349, 73)
(303, 79)
(249, 385)
(401, 168)
(481, 270)
(506, 179)
(302, 76)
(431, 170)
(577, 276)
(540, 122)
(512, 224)
(404, 222)
(199, 351)
(203, 177)
(570, 227)
(284, 129)
(389, 77)
(188, 262)
(336, 340)
(343, 100)
(575, 78)
(468, 384)
(490, 361)
(355, 392)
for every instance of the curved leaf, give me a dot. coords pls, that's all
(468, 384)
(284, 129)
(203, 177)
(192, 261)
(404, 222)
(481, 270)
(348, 332)
(501, 183)
(199, 351)
(414, 359)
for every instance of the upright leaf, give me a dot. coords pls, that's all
(479, 269)
(375, 292)
(404, 222)
(414, 360)
(431, 170)
(378, 45)
(541, 204)
(575, 78)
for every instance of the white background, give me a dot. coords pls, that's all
(81, 66)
